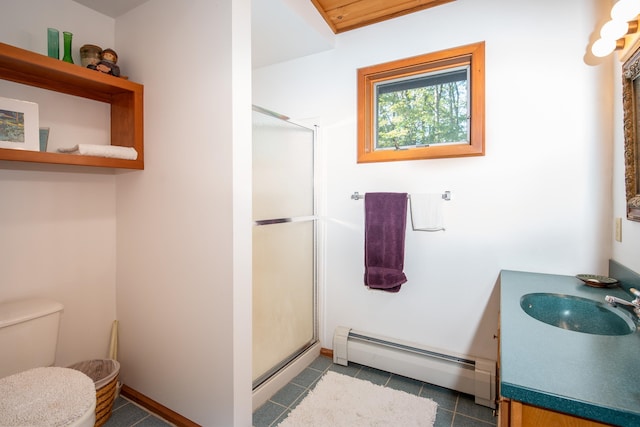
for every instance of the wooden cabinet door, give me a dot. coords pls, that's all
(522, 415)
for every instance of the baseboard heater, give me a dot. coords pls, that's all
(465, 374)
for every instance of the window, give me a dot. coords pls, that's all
(425, 107)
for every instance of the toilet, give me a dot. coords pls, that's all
(32, 391)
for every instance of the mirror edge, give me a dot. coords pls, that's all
(631, 84)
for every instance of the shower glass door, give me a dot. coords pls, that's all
(284, 242)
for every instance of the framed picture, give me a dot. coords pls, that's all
(19, 125)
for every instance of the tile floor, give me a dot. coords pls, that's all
(127, 414)
(454, 409)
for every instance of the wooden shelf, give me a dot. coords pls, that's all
(125, 97)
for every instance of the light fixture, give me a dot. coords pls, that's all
(625, 10)
(624, 15)
(603, 47)
(613, 30)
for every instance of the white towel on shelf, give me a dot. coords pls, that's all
(426, 212)
(114, 151)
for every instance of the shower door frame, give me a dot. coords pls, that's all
(283, 364)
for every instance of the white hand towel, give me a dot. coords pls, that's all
(426, 212)
(113, 151)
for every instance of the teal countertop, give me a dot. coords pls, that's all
(590, 376)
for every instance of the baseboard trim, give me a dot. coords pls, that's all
(166, 413)
(326, 352)
(156, 408)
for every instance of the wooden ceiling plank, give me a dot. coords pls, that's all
(345, 15)
(322, 10)
(367, 14)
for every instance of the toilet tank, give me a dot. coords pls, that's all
(28, 334)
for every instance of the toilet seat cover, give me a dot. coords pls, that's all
(49, 397)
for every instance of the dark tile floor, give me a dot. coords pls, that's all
(454, 409)
(128, 414)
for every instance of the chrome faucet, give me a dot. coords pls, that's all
(635, 304)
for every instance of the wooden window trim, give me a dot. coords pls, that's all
(472, 55)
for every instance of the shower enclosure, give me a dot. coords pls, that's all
(284, 243)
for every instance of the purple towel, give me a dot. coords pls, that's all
(384, 232)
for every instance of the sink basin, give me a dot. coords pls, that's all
(577, 314)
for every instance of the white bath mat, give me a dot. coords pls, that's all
(342, 401)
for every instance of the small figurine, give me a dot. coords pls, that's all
(107, 64)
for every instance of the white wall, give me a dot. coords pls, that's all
(171, 241)
(183, 237)
(57, 223)
(539, 200)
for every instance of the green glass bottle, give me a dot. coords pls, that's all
(67, 38)
(53, 43)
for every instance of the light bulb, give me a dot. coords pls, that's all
(613, 30)
(603, 47)
(625, 10)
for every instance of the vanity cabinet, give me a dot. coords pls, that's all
(124, 97)
(518, 414)
(512, 413)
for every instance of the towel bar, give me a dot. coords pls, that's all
(357, 196)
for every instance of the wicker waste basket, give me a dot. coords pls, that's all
(104, 373)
